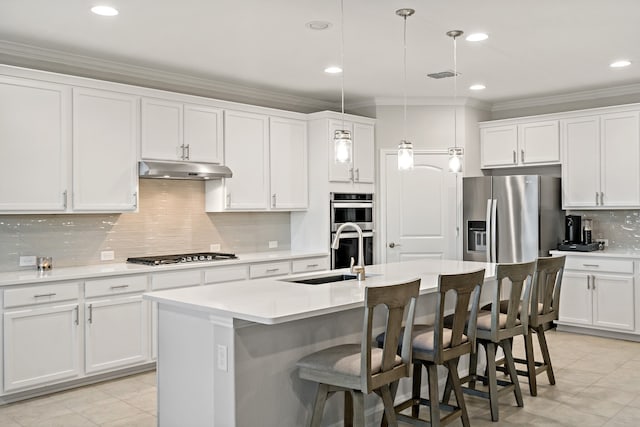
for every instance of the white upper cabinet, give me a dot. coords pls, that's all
(361, 169)
(105, 140)
(176, 131)
(520, 144)
(35, 140)
(601, 161)
(288, 163)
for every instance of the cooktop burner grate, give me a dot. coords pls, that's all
(181, 258)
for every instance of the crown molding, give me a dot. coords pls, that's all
(24, 55)
(586, 95)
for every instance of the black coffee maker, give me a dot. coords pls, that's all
(572, 229)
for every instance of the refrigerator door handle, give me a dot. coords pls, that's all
(488, 230)
(494, 211)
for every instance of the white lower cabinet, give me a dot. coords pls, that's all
(41, 336)
(600, 294)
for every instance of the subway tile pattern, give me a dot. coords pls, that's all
(171, 219)
(620, 227)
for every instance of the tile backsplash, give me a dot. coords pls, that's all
(171, 219)
(620, 228)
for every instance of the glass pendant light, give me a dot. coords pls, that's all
(455, 152)
(342, 143)
(405, 148)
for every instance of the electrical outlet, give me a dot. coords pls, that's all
(214, 247)
(27, 261)
(273, 244)
(107, 255)
(604, 241)
(222, 357)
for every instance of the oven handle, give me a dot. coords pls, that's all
(351, 205)
(354, 234)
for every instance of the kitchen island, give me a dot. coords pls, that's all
(227, 352)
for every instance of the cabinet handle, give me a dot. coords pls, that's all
(597, 199)
(90, 313)
(515, 160)
(358, 174)
(77, 310)
(522, 156)
(135, 200)
(588, 282)
(591, 265)
(311, 265)
(601, 198)
(351, 174)
(188, 151)
(273, 201)
(272, 270)
(228, 200)
(52, 294)
(593, 283)
(119, 287)
(64, 199)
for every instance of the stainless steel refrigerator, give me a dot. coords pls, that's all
(511, 218)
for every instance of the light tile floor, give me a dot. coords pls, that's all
(598, 384)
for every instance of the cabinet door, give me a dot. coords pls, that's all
(575, 299)
(288, 163)
(162, 130)
(203, 134)
(613, 301)
(363, 152)
(246, 148)
(499, 146)
(41, 345)
(620, 159)
(116, 333)
(339, 172)
(35, 135)
(105, 140)
(580, 162)
(539, 143)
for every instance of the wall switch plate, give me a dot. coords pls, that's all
(222, 357)
(27, 261)
(107, 255)
(273, 244)
(214, 247)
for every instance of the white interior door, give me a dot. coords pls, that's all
(419, 209)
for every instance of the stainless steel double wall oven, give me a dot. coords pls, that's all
(356, 208)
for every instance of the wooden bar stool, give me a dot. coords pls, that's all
(359, 369)
(436, 344)
(497, 329)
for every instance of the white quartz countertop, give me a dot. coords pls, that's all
(32, 276)
(277, 300)
(607, 253)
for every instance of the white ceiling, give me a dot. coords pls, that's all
(535, 48)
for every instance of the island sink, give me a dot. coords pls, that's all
(323, 279)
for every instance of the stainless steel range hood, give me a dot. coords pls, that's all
(182, 170)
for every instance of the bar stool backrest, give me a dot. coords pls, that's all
(466, 287)
(545, 299)
(399, 299)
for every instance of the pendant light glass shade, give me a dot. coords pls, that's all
(405, 148)
(405, 155)
(455, 161)
(343, 146)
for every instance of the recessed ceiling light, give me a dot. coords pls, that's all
(477, 87)
(477, 37)
(621, 63)
(318, 25)
(333, 70)
(104, 10)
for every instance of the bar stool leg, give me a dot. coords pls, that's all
(348, 409)
(545, 354)
(389, 411)
(318, 406)
(493, 381)
(417, 380)
(511, 368)
(358, 408)
(434, 396)
(531, 363)
(457, 390)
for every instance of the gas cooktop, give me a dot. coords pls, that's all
(181, 258)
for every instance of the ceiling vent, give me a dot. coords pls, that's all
(442, 74)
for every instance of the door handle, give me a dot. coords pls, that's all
(393, 245)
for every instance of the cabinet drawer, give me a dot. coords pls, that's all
(115, 286)
(41, 294)
(175, 279)
(599, 264)
(311, 264)
(270, 269)
(225, 274)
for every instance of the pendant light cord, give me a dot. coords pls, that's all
(455, 93)
(405, 78)
(342, 57)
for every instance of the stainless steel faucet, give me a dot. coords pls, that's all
(358, 270)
